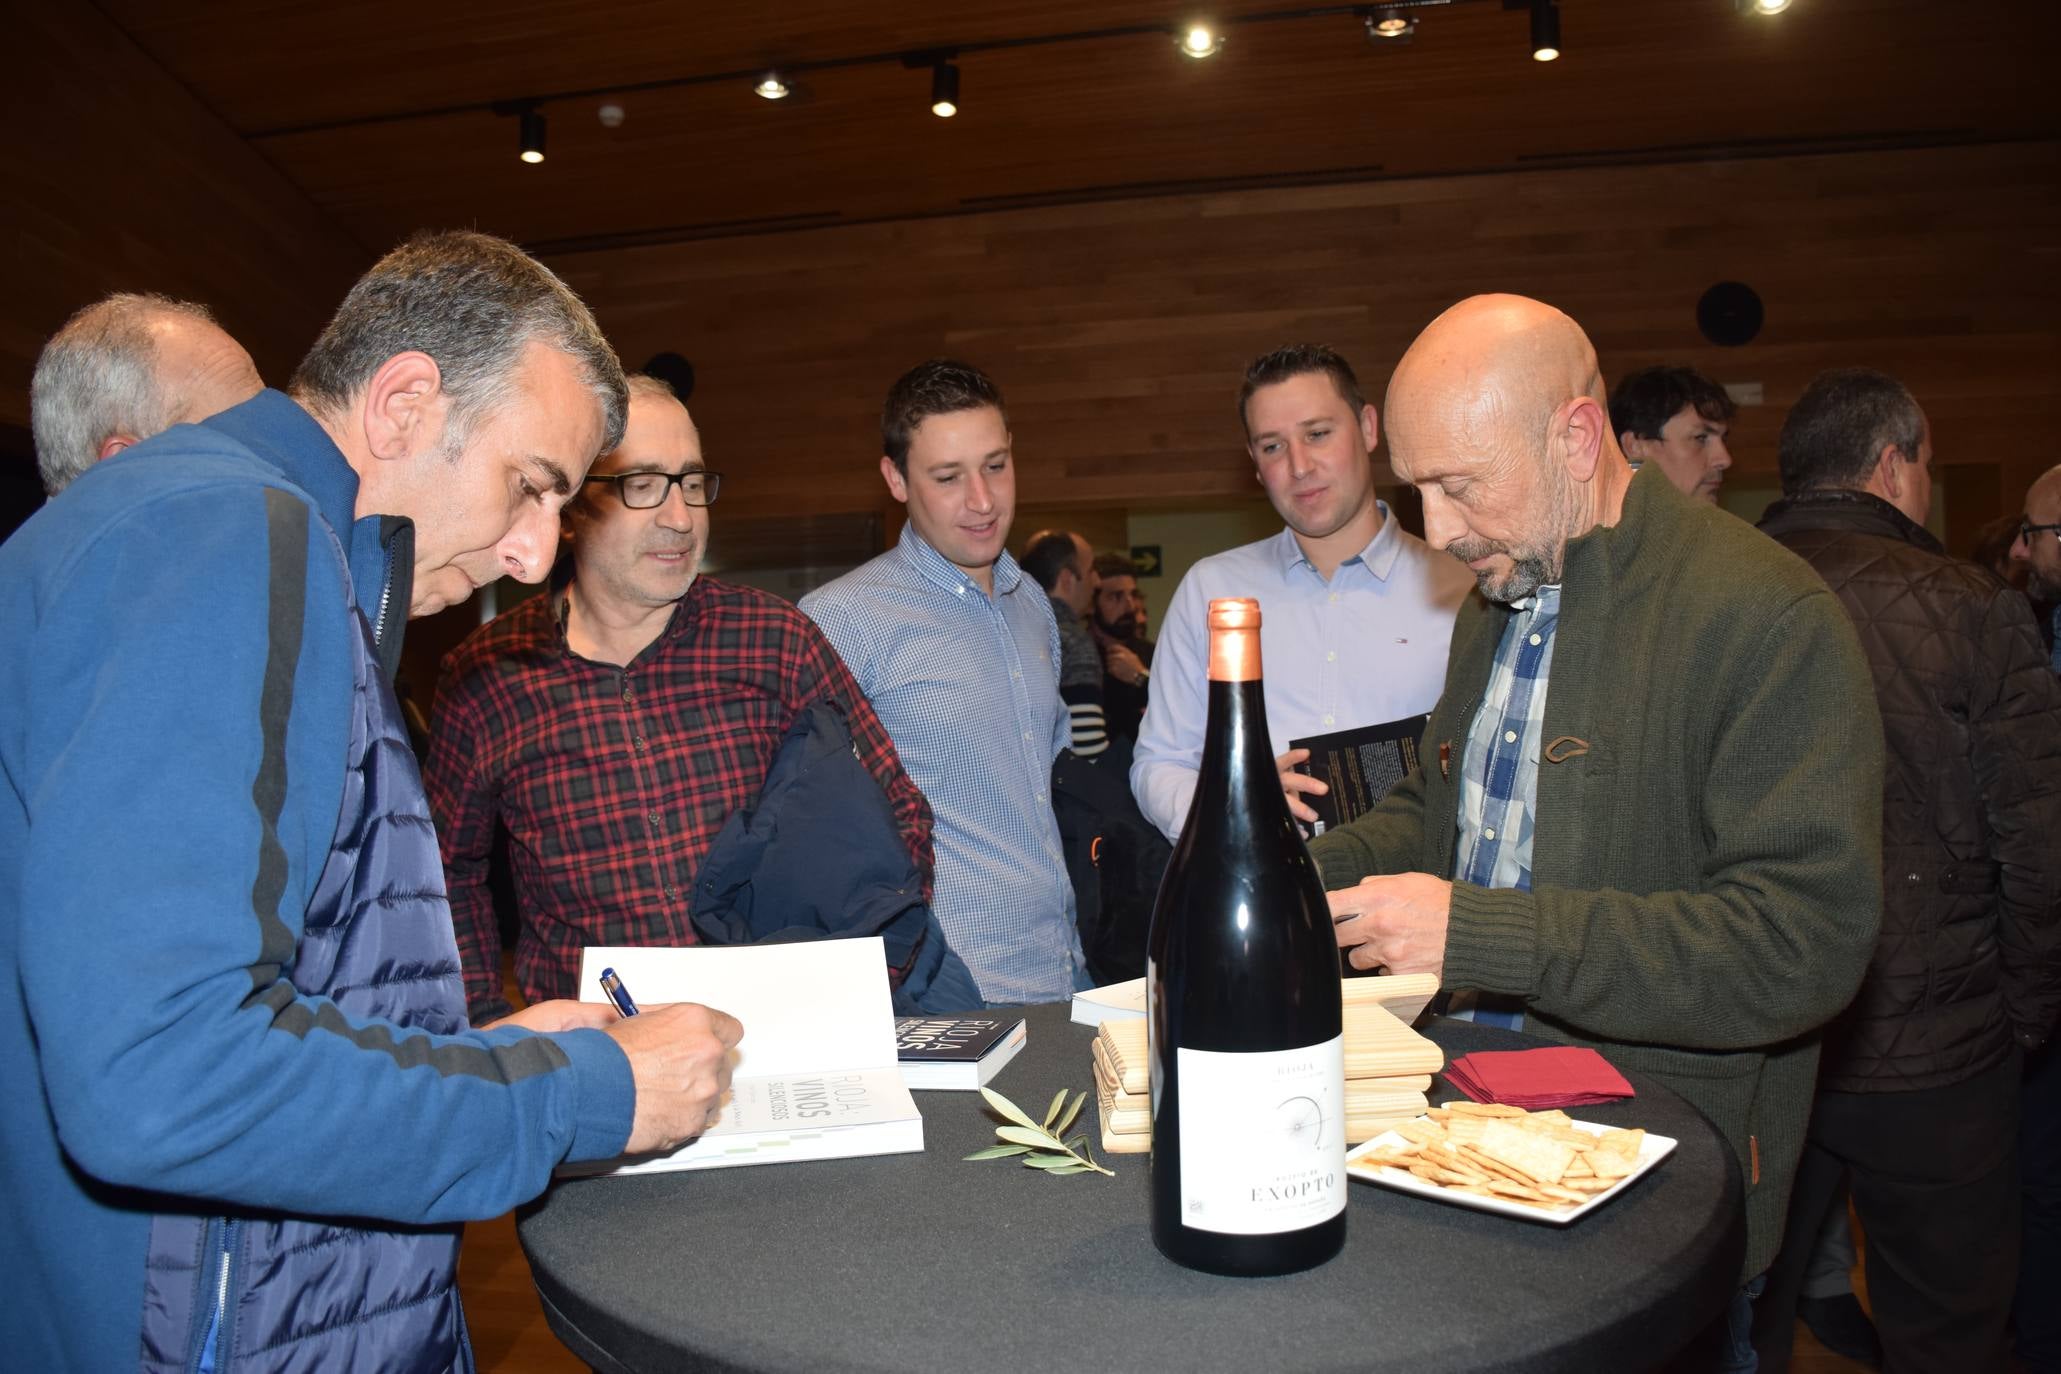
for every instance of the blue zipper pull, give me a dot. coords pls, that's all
(218, 1320)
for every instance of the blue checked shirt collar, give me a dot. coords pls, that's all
(1499, 782)
(941, 570)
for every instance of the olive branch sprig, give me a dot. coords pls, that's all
(1042, 1147)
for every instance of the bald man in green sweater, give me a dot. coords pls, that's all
(1649, 814)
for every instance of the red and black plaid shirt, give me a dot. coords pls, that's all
(612, 782)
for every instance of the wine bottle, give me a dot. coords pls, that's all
(1242, 1005)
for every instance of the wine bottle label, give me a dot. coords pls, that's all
(1262, 1138)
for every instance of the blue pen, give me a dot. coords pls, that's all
(617, 993)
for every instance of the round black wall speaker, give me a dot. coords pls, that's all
(1730, 314)
(675, 371)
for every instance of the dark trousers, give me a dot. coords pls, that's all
(2038, 1312)
(1934, 1176)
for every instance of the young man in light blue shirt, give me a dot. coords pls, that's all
(959, 653)
(1356, 612)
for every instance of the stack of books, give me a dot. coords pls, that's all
(960, 1052)
(1388, 1066)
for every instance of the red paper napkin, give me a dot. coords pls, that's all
(1563, 1076)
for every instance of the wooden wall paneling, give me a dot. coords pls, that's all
(120, 180)
(1973, 494)
(1119, 329)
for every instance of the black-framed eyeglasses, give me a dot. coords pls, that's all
(647, 490)
(2026, 530)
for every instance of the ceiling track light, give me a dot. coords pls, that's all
(1545, 30)
(1200, 40)
(532, 135)
(1389, 26)
(944, 90)
(1763, 6)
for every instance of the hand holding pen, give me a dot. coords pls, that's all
(679, 1057)
(617, 992)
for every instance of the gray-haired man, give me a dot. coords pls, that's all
(231, 1009)
(124, 369)
(1969, 958)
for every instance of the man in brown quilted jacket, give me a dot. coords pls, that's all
(1918, 1088)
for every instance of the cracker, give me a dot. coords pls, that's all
(1455, 1162)
(1610, 1164)
(1467, 1128)
(1626, 1143)
(1542, 1157)
(1421, 1131)
(1474, 1155)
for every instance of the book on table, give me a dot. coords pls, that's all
(961, 1052)
(1110, 1002)
(815, 1076)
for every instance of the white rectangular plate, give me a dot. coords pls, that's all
(1651, 1151)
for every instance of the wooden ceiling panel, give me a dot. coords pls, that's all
(325, 63)
(1303, 100)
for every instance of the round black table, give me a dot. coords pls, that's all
(929, 1263)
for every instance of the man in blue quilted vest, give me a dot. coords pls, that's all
(246, 1115)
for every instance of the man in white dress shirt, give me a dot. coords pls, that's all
(1356, 612)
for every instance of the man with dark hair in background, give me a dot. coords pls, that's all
(2037, 549)
(1064, 565)
(1918, 1085)
(2036, 552)
(246, 1115)
(1675, 418)
(1357, 611)
(959, 653)
(126, 368)
(1117, 619)
(613, 725)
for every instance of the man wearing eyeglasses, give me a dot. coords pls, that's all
(2036, 1321)
(612, 725)
(2038, 547)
